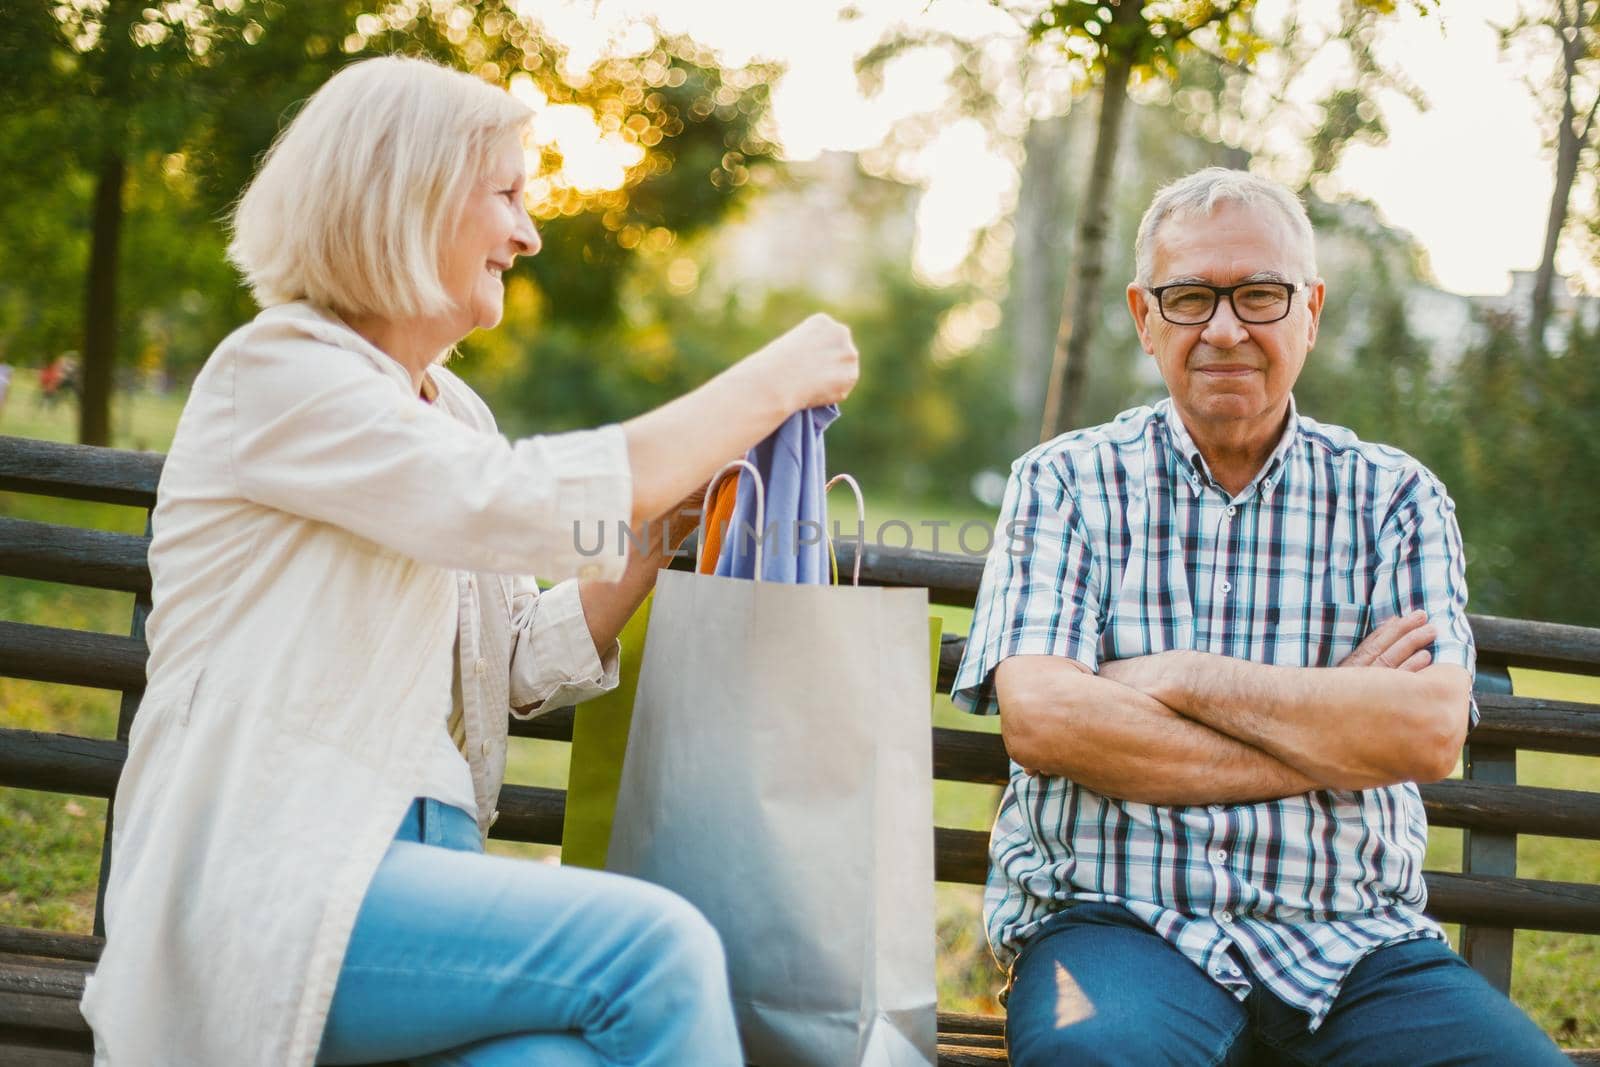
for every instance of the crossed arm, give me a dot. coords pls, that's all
(1195, 728)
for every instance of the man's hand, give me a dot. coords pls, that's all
(1401, 642)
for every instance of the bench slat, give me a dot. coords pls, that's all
(26, 976)
(79, 472)
(970, 756)
(553, 725)
(1519, 903)
(72, 555)
(1546, 646)
(532, 814)
(961, 1056)
(63, 763)
(111, 661)
(1513, 809)
(950, 578)
(51, 944)
(60, 763)
(71, 657)
(1542, 725)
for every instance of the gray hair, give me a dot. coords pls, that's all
(1200, 193)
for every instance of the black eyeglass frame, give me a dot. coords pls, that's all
(1220, 291)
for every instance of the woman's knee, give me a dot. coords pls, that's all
(680, 932)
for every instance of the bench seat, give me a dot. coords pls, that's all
(42, 972)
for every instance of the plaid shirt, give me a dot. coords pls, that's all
(1125, 546)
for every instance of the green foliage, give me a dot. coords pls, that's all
(191, 95)
(1155, 42)
(1517, 434)
(1508, 430)
(922, 421)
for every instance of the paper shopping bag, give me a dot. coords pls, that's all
(779, 776)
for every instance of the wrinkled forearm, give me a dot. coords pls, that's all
(1350, 727)
(1125, 744)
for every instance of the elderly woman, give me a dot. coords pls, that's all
(344, 611)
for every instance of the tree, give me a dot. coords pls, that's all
(1211, 47)
(1571, 97)
(180, 100)
(1121, 40)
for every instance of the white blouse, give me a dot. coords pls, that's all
(323, 543)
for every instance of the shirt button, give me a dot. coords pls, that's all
(1232, 510)
(1225, 918)
(1227, 587)
(480, 667)
(1220, 855)
(485, 747)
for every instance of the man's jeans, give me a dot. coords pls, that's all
(1097, 986)
(464, 958)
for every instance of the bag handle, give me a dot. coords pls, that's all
(861, 519)
(761, 510)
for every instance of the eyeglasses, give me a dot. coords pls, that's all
(1193, 303)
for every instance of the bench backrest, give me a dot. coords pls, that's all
(1485, 896)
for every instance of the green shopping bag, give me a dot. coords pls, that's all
(599, 741)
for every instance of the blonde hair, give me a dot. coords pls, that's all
(353, 199)
(1200, 193)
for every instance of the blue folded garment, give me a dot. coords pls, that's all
(794, 470)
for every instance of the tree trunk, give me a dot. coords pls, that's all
(1566, 170)
(100, 303)
(1069, 371)
(1038, 267)
(1569, 146)
(111, 80)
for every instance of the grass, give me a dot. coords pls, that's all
(56, 839)
(142, 419)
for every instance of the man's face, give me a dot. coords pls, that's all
(1226, 374)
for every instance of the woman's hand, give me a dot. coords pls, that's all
(675, 448)
(815, 363)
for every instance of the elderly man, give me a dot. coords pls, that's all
(1233, 641)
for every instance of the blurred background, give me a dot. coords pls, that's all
(958, 180)
(937, 174)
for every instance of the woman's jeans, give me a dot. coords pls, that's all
(464, 958)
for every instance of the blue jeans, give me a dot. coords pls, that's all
(462, 958)
(1097, 986)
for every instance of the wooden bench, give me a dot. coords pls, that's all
(41, 972)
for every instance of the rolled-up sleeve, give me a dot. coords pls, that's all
(1422, 567)
(319, 432)
(553, 660)
(1040, 590)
